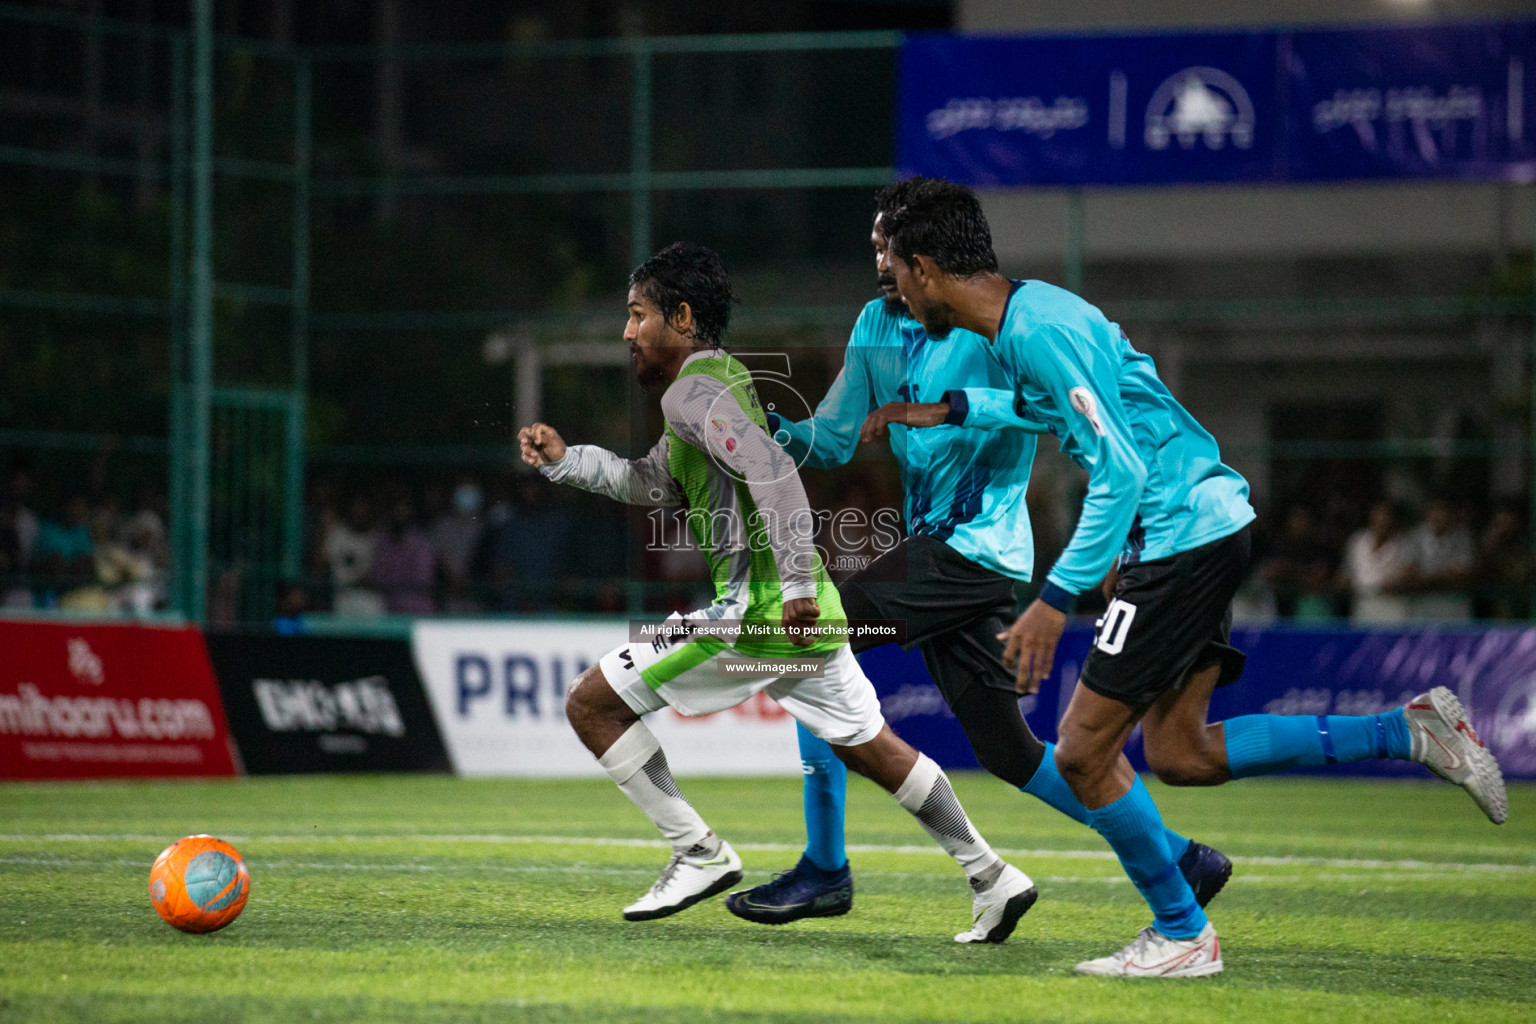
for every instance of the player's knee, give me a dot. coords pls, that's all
(849, 759)
(1073, 764)
(580, 707)
(1183, 756)
(1181, 767)
(1174, 773)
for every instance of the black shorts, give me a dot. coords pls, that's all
(942, 602)
(1169, 617)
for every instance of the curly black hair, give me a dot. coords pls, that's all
(691, 273)
(938, 219)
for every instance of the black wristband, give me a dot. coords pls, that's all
(959, 408)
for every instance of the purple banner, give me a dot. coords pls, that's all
(1290, 672)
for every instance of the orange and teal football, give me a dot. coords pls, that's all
(199, 884)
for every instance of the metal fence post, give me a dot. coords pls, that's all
(640, 157)
(639, 252)
(176, 462)
(200, 318)
(293, 490)
(1072, 271)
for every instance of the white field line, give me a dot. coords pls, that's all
(589, 869)
(599, 841)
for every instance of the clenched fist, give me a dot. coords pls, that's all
(800, 617)
(541, 444)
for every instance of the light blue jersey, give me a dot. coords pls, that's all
(964, 486)
(1156, 482)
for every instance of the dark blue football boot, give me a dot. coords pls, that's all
(1206, 870)
(803, 891)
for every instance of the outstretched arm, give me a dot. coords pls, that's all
(643, 481)
(829, 437)
(983, 408)
(990, 409)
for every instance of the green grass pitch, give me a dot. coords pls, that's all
(432, 898)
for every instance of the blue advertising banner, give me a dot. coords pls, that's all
(1411, 103)
(1444, 101)
(1289, 672)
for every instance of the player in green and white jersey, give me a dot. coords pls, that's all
(749, 514)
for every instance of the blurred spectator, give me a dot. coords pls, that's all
(602, 583)
(543, 556)
(294, 602)
(1441, 556)
(129, 568)
(10, 547)
(1300, 568)
(13, 592)
(64, 548)
(319, 516)
(404, 564)
(455, 533)
(144, 531)
(524, 549)
(1376, 560)
(494, 562)
(105, 519)
(1504, 565)
(347, 549)
(19, 494)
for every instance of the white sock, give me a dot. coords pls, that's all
(638, 764)
(927, 794)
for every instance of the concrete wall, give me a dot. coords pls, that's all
(1219, 221)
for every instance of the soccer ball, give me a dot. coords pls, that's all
(199, 884)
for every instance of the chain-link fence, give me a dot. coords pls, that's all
(272, 315)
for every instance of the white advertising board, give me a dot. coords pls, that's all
(498, 692)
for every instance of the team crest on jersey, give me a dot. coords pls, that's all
(1082, 401)
(723, 434)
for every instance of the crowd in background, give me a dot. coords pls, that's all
(1383, 565)
(90, 553)
(473, 543)
(460, 546)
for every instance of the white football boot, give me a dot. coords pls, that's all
(1442, 740)
(690, 876)
(1155, 955)
(996, 910)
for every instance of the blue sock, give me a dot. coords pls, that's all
(826, 790)
(1135, 832)
(1048, 786)
(1260, 744)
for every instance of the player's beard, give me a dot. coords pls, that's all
(891, 297)
(651, 376)
(937, 320)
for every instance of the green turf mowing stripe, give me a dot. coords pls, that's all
(429, 898)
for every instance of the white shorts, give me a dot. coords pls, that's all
(840, 706)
